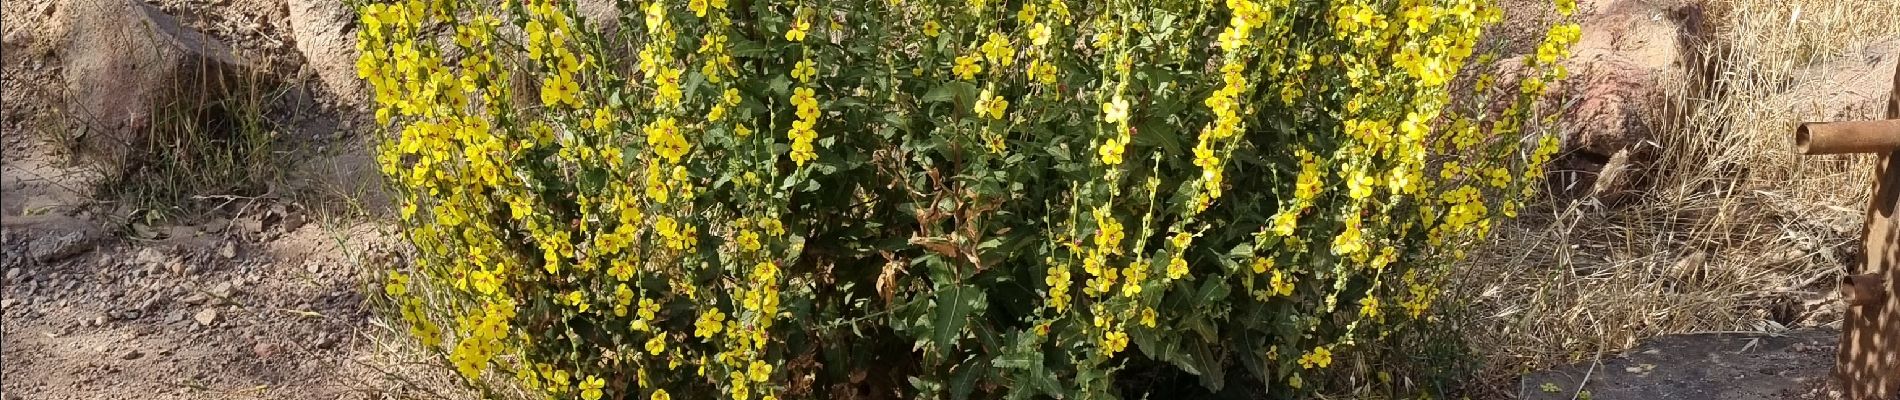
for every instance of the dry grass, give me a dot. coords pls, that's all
(1731, 231)
(200, 145)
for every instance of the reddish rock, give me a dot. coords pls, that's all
(1609, 103)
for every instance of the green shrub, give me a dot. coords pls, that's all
(767, 199)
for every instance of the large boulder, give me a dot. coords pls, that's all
(131, 70)
(1608, 127)
(326, 35)
(1618, 73)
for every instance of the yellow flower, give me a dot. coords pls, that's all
(932, 29)
(968, 66)
(1111, 151)
(660, 394)
(663, 135)
(1320, 357)
(1132, 286)
(398, 284)
(991, 106)
(1115, 110)
(804, 70)
(577, 299)
(656, 16)
(709, 324)
(559, 380)
(1281, 283)
(698, 7)
(1358, 184)
(560, 89)
(997, 50)
(1039, 35)
(1114, 342)
(648, 309)
(1110, 237)
(590, 387)
(760, 371)
(806, 100)
(1044, 72)
(1204, 156)
(1262, 264)
(748, 240)
(798, 30)
(656, 345)
(1177, 268)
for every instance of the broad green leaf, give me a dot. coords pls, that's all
(966, 376)
(959, 91)
(954, 306)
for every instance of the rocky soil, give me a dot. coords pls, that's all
(265, 303)
(198, 316)
(260, 297)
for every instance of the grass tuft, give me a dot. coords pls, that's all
(200, 148)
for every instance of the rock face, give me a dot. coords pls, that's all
(132, 70)
(52, 248)
(327, 40)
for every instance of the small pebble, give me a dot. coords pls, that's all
(264, 350)
(206, 317)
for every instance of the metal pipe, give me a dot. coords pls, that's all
(1863, 289)
(1813, 138)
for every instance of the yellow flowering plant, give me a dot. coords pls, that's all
(761, 199)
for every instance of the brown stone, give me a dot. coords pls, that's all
(326, 37)
(1609, 101)
(131, 70)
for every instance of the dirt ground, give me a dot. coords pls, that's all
(266, 304)
(264, 297)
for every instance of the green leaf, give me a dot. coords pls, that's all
(1213, 373)
(966, 376)
(749, 49)
(954, 306)
(693, 82)
(1212, 291)
(1162, 346)
(1016, 361)
(959, 91)
(780, 85)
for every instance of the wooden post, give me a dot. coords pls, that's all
(1868, 365)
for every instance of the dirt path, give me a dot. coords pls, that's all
(259, 299)
(267, 305)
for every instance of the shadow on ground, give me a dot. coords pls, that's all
(1705, 366)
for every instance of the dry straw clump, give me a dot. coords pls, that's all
(1731, 231)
